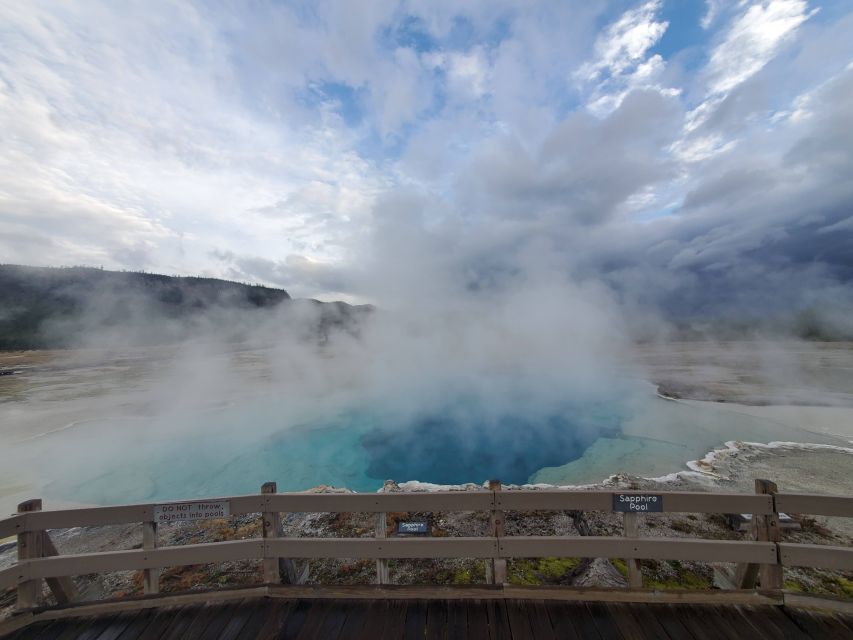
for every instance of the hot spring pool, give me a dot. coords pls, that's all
(236, 450)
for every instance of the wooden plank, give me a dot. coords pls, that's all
(478, 619)
(373, 621)
(560, 614)
(654, 548)
(819, 625)
(416, 618)
(9, 576)
(540, 622)
(646, 621)
(631, 529)
(583, 621)
(457, 621)
(271, 623)
(240, 617)
(498, 620)
(315, 616)
(767, 530)
(220, 615)
(296, 618)
(150, 577)
(670, 618)
(78, 564)
(786, 628)
(335, 619)
(88, 517)
(496, 568)
(382, 574)
(826, 603)
(519, 622)
(554, 500)
(389, 548)
(271, 528)
(622, 618)
(30, 545)
(355, 612)
(263, 610)
(699, 627)
(378, 502)
(119, 623)
(124, 514)
(436, 628)
(62, 588)
(163, 619)
(603, 620)
(12, 526)
(180, 620)
(815, 504)
(393, 622)
(816, 556)
(673, 501)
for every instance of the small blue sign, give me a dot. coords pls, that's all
(417, 528)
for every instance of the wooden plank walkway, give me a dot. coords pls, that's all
(446, 619)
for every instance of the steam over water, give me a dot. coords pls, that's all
(356, 449)
(222, 452)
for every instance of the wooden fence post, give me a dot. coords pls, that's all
(271, 529)
(30, 545)
(382, 574)
(767, 530)
(498, 565)
(631, 527)
(150, 577)
(62, 587)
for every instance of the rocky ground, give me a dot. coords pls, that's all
(600, 572)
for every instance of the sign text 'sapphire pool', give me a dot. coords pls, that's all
(186, 511)
(637, 502)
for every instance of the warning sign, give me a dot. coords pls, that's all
(187, 511)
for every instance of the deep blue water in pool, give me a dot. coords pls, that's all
(216, 455)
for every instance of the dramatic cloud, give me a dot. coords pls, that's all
(694, 161)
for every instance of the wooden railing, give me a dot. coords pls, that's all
(759, 558)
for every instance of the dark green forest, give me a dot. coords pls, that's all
(44, 307)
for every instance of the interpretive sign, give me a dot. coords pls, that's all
(637, 502)
(417, 528)
(187, 511)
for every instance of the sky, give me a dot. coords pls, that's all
(684, 156)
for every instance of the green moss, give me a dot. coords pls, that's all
(683, 579)
(839, 585)
(539, 571)
(794, 585)
(621, 565)
(462, 576)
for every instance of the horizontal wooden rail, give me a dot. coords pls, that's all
(124, 514)
(640, 548)
(816, 556)
(512, 500)
(11, 526)
(106, 561)
(814, 505)
(10, 576)
(383, 548)
(512, 547)
(380, 502)
(673, 501)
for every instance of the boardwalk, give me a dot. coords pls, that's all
(488, 619)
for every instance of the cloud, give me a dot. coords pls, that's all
(753, 39)
(624, 43)
(411, 148)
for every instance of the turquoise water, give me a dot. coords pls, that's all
(236, 450)
(217, 454)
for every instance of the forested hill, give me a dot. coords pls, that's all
(42, 307)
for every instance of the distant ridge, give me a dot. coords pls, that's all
(56, 307)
